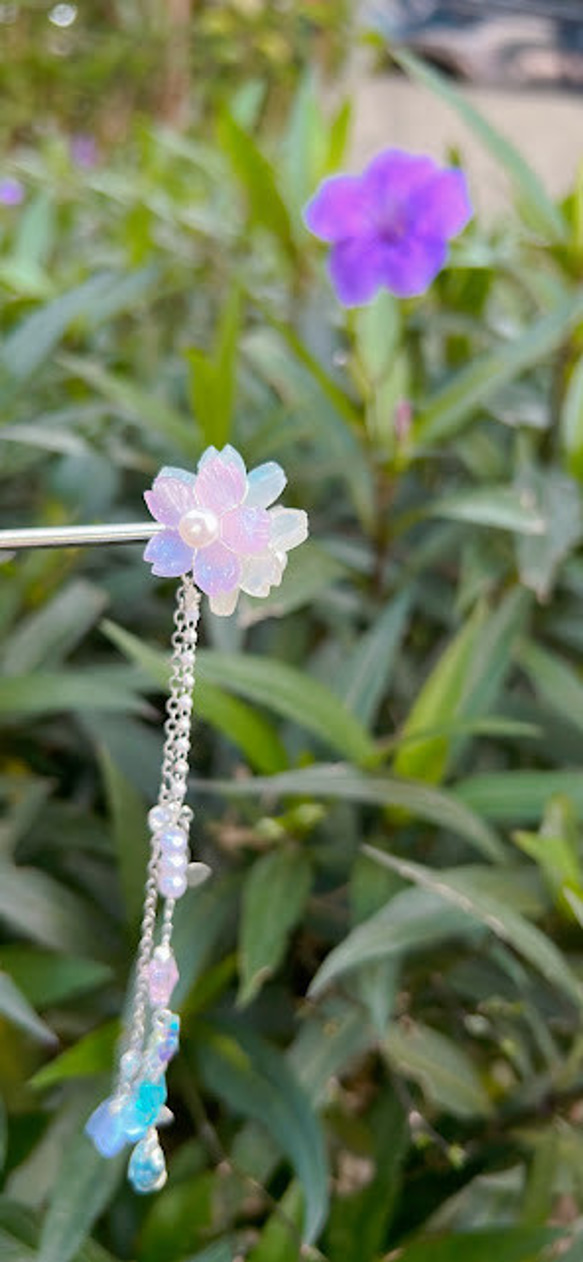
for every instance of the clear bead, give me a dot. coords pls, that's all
(160, 816)
(172, 885)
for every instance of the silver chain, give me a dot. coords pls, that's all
(173, 786)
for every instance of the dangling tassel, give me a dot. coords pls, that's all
(216, 525)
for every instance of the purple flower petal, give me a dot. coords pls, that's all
(216, 569)
(393, 178)
(410, 267)
(11, 191)
(356, 269)
(170, 498)
(170, 557)
(443, 207)
(221, 484)
(338, 209)
(246, 530)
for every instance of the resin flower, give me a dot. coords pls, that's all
(218, 523)
(389, 227)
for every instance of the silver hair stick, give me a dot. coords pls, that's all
(77, 536)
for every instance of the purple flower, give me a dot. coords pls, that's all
(218, 524)
(390, 226)
(83, 150)
(11, 191)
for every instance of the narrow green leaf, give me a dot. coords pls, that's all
(440, 700)
(96, 688)
(139, 405)
(274, 897)
(38, 334)
(45, 637)
(284, 689)
(84, 1187)
(256, 1081)
(47, 979)
(556, 683)
(130, 832)
(442, 1068)
(464, 890)
(494, 506)
(257, 176)
(512, 1244)
(571, 429)
(456, 403)
(519, 796)
(40, 908)
(338, 780)
(92, 1055)
(367, 672)
(19, 1012)
(412, 920)
(543, 214)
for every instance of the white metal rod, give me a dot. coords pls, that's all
(77, 536)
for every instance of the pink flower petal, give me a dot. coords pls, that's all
(221, 484)
(170, 497)
(216, 569)
(246, 530)
(170, 557)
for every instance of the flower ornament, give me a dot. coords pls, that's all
(389, 227)
(218, 523)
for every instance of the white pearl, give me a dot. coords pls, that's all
(159, 817)
(173, 841)
(172, 885)
(181, 767)
(173, 861)
(199, 527)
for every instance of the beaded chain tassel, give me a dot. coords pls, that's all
(218, 534)
(138, 1105)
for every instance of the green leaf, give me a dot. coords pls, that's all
(439, 700)
(130, 831)
(45, 637)
(255, 1080)
(25, 348)
(214, 376)
(457, 402)
(367, 672)
(292, 694)
(47, 979)
(138, 404)
(556, 683)
(571, 428)
(495, 506)
(544, 216)
(412, 920)
(441, 1067)
(519, 796)
(84, 1187)
(464, 890)
(95, 688)
(274, 897)
(257, 176)
(280, 1238)
(339, 781)
(92, 1055)
(39, 907)
(512, 1244)
(559, 501)
(19, 1012)
(359, 1222)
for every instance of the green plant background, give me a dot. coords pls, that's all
(381, 985)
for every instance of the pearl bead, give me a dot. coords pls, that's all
(173, 841)
(198, 528)
(173, 862)
(159, 816)
(172, 886)
(181, 767)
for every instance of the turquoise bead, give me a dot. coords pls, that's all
(147, 1168)
(106, 1128)
(142, 1110)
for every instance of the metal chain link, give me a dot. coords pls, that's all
(173, 787)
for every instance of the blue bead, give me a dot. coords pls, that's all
(142, 1110)
(147, 1168)
(106, 1128)
(169, 1042)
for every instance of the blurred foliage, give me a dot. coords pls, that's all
(388, 1063)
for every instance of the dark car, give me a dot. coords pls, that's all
(512, 43)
